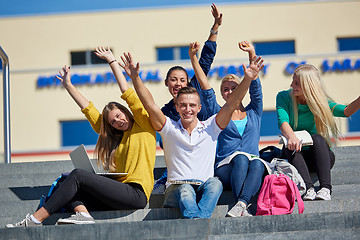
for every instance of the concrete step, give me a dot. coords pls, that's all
(15, 169)
(10, 212)
(328, 234)
(18, 195)
(214, 228)
(341, 174)
(115, 216)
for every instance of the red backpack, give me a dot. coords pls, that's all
(277, 196)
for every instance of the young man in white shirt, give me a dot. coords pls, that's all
(189, 144)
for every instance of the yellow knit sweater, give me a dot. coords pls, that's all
(136, 152)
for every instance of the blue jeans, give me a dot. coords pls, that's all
(244, 177)
(194, 201)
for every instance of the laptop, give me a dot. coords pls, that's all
(81, 160)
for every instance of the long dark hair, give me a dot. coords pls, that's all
(109, 137)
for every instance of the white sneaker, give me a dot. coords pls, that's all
(238, 210)
(310, 194)
(77, 218)
(323, 194)
(26, 222)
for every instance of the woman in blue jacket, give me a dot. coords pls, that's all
(238, 143)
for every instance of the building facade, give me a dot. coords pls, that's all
(46, 123)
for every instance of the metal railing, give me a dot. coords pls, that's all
(6, 90)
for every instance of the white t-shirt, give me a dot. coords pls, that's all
(190, 156)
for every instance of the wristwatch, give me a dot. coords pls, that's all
(213, 32)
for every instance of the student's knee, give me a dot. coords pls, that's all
(240, 160)
(77, 171)
(318, 140)
(214, 184)
(78, 174)
(186, 189)
(257, 165)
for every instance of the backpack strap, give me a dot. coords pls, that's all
(53, 185)
(297, 195)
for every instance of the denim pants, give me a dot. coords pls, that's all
(194, 201)
(242, 176)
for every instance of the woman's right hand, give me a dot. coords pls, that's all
(294, 144)
(65, 76)
(246, 46)
(129, 66)
(216, 14)
(193, 48)
(105, 53)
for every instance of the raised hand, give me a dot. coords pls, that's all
(216, 14)
(65, 76)
(246, 46)
(129, 66)
(256, 64)
(193, 48)
(104, 53)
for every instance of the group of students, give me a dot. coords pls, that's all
(206, 146)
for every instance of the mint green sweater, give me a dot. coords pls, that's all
(306, 121)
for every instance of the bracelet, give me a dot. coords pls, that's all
(112, 61)
(213, 32)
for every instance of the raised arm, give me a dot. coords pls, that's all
(105, 53)
(247, 47)
(217, 22)
(225, 113)
(209, 49)
(157, 118)
(199, 73)
(65, 79)
(352, 107)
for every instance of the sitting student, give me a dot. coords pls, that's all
(177, 78)
(239, 139)
(306, 106)
(189, 144)
(127, 143)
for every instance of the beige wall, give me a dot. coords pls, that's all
(41, 45)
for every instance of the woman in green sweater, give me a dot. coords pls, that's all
(306, 106)
(127, 144)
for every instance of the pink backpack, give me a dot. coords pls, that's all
(277, 196)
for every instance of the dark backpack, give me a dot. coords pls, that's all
(269, 153)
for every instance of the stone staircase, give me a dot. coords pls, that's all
(22, 184)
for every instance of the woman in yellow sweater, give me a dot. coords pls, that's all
(127, 143)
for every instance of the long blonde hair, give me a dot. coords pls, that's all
(109, 137)
(317, 100)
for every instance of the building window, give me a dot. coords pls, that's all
(348, 44)
(85, 58)
(77, 132)
(172, 53)
(354, 122)
(274, 47)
